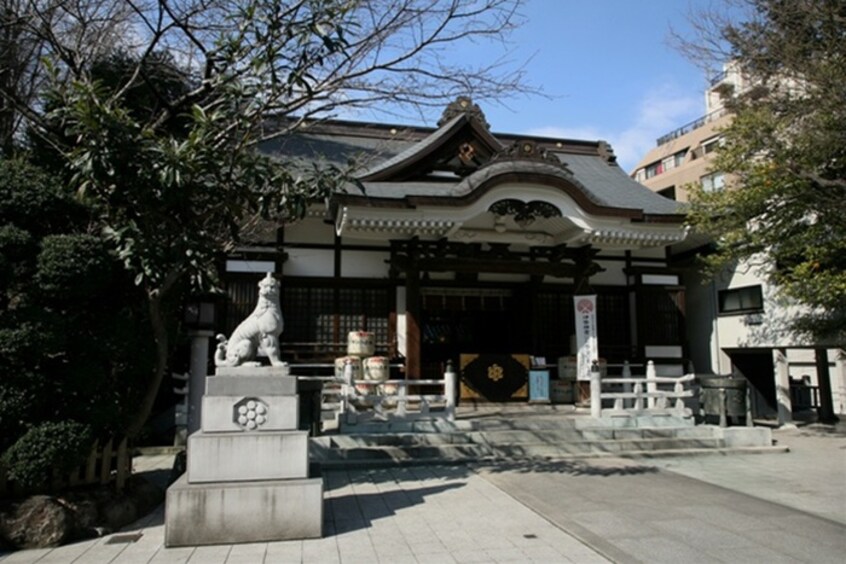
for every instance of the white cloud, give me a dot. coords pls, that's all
(660, 111)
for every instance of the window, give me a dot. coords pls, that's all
(323, 315)
(668, 192)
(654, 169)
(640, 175)
(713, 182)
(674, 160)
(710, 145)
(748, 299)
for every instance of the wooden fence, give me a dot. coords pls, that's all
(110, 462)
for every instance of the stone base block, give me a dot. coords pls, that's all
(271, 413)
(251, 385)
(246, 512)
(247, 370)
(238, 457)
(745, 436)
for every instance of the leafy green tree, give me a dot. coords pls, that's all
(72, 357)
(785, 201)
(171, 184)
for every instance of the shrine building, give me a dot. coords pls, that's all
(457, 241)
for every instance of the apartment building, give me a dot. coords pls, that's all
(737, 322)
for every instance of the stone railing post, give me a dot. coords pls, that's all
(402, 399)
(450, 378)
(627, 387)
(595, 390)
(638, 401)
(678, 389)
(348, 392)
(651, 384)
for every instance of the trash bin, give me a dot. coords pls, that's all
(723, 398)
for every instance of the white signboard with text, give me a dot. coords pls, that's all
(586, 342)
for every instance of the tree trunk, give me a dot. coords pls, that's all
(157, 322)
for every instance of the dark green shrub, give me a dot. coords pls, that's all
(74, 267)
(60, 446)
(75, 345)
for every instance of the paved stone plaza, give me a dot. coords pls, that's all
(743, 508)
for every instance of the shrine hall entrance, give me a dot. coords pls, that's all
(458, 321)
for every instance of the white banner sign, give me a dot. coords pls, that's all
(586, 343)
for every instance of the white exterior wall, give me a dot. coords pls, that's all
(309, 262)
(612, 276)
(364, 264)
(310, 230)
(710, 334)
(740, 331)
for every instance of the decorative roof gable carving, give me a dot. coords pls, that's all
(463, 105)
(459, 147)
(528, 150)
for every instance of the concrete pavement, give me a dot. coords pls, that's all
(744, 508)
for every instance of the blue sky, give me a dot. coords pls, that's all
(608, 69)
(611, 70)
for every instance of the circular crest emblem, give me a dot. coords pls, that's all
(584, 306)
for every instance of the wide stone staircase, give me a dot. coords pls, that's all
(528, 435)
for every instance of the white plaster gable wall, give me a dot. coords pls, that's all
(364, 264)
(309, 262)
(309, 230)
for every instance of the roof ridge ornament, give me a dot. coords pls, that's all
(463, 105)
(607, 152)
(529, 150)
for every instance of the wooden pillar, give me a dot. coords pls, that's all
(825, 412)
(782, 387)
(412, 323)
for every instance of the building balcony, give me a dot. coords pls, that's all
(688, 127)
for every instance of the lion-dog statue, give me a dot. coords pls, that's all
(257, 333)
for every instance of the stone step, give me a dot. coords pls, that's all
(396, 439)
(530, 438)
(326, 451)
(512, 436)
(548, 423)
(464, 454)
(517, 450)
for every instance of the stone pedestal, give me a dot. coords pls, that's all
(247, 475)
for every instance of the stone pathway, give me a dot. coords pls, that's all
(415, 515)
(742, 508)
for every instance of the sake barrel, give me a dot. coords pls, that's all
(377, 368)
(341, 362)
(360, 343)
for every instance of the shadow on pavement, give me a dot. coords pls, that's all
(352, 512)
(616, 467)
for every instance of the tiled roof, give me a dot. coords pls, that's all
(380, 147)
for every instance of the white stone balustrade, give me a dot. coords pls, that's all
(398, 404)
(642, 395)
